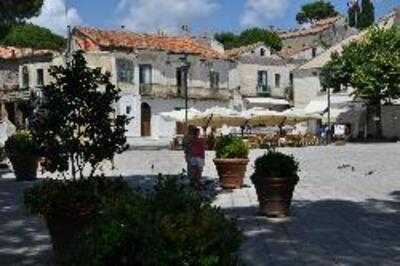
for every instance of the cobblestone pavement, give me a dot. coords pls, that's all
(346, 209)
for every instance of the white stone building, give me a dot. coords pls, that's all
(149, 70)
(265, 78)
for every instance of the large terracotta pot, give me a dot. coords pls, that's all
(231, 172)
(65, 235)
(275, 195)
(25, 167)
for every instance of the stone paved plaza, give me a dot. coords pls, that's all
(346, 209)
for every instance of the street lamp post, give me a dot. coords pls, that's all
(185, 66)
(329, 133)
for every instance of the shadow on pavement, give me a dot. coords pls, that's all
(24, 240)
(326, 232)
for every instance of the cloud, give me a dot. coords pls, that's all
(55, 16)
(257, 12)
(155, 15)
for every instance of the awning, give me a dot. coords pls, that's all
(266, 101)
(320, 105)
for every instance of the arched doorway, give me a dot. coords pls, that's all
(145, 125)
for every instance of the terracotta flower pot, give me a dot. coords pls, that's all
(65, 235)
(25, 167)
(275, 195)
(231, 172)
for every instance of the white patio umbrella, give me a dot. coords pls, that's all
(296, 115)
(179, 115)
(217, 117)
(261, 116)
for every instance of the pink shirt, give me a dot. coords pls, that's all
(197, 147)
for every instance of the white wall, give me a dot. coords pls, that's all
(305, 88)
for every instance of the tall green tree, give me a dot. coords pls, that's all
(248, 37)
(315, 11)
(12, 11)
(353, 13)
(367, 15)
(371, 66)
(77, 127)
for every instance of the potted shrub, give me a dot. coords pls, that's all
(275, 178)
(231, 161)
(21, 149)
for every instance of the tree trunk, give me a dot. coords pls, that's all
(378, 120)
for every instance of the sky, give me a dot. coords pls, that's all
(202, 16)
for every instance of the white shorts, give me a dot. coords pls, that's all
(197, 162)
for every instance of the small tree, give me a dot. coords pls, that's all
(371, 66)
(353, 13)
(78, 127)
(316, 11)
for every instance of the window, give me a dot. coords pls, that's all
(262, 52)
(145, 74)
(128, 110)
(25, 77)
(125, 70)
(214, 80)
(314, 52)
(39, 77)
(262, 82)
(277, 81)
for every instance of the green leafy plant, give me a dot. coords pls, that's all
(58, 199)
(248, 37)
(370, 65)
(172, 226)
(315, 11)
(32, 36)
(275, 164)
(21, 143)
(229, 147)
(86, 131)
(17, 10)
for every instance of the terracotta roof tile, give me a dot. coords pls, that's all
(289, 52)
(91, 39)
(316, 27)
(236, 52)
(10, 52)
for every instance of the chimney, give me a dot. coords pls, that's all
(12, 53)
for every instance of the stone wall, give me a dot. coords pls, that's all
(248, 74)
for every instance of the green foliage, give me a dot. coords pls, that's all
(77, 126)
(275, 164)
(315, 11)
(371, 66)
(32, 36)
(353, 11)
(367, 15)
(172, 226)
(229, 147)
(69, 200)
(21, 143)
(17, 10)
(248, 37)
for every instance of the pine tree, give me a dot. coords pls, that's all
(367, 15)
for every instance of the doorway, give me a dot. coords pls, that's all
(145, 125)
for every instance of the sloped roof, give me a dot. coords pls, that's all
(10, 52)
(91, 39)
(236, 52)
(289, 52)
(325, 57)
(316, 27)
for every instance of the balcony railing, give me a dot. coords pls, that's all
(146, 89)
(263, 90)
